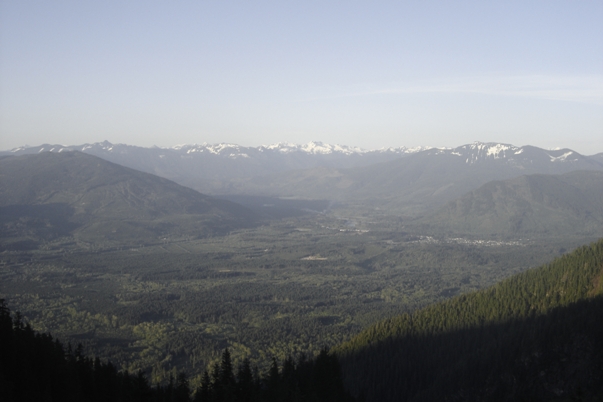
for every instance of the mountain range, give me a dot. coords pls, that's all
(209, 167)
(402, 180)
(480, 188)
(420, 182)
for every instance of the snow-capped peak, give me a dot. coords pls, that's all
(230, 150)
(483, 151)
(475, 152)
(314, 147)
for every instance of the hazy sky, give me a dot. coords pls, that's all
(369, 74)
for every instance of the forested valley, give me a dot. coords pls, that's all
(126, 278)
(534, 336)
(34, 367)
(287, 289)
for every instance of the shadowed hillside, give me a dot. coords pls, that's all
(559, 205)
(48, 195)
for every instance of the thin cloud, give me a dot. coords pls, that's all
(584, 89)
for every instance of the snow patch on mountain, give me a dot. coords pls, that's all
(561, 158)
(311, 148)
(497, 149)
(228, 150)
(481, 151)
(473, 153)
(314, 148)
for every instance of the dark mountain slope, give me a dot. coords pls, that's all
(535, 336)
(51, 194)
(536, 204)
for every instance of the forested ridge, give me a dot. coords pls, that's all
(537, 336)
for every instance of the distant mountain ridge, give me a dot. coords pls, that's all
(223, 149)
(421, 181)
(210, 167)
(475, 150)
(398, 180)
(313, 147)
(479, 151)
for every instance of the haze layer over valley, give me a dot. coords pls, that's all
(404, 181)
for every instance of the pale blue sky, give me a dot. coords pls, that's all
(368, 74)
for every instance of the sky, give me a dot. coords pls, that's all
(358, 73)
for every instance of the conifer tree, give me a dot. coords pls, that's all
(246, 391)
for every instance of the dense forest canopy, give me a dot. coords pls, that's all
(36, 367)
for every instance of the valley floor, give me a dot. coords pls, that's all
(290, 287)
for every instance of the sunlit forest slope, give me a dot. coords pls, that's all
(535, 336)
